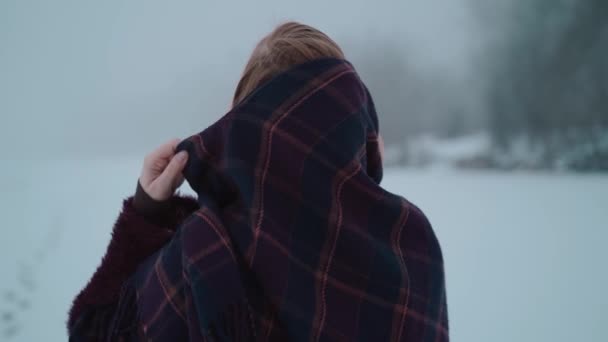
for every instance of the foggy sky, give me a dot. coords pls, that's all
(114, 78)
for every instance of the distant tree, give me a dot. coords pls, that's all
(411, 100)
(548, 74)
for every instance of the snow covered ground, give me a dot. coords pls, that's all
(525, 252)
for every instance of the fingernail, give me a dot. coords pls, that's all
(182, 156)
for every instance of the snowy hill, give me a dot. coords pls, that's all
(479, 151)
(525, 253)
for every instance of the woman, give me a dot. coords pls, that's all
(290, 238)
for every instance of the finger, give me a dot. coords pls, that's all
(173, 172)
(179, 181)
(163, 152)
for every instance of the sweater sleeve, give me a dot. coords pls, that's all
(137, 233)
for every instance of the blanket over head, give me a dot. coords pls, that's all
(294, 235)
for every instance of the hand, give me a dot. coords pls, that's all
(161, 174)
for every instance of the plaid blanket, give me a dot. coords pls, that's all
(294, 238)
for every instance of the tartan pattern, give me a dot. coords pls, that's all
(294, 238)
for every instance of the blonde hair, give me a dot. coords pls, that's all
(287, 45)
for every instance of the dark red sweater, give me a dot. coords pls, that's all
(143, 226)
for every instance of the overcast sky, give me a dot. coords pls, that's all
(115, 78)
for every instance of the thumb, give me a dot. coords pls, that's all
(172, 174)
